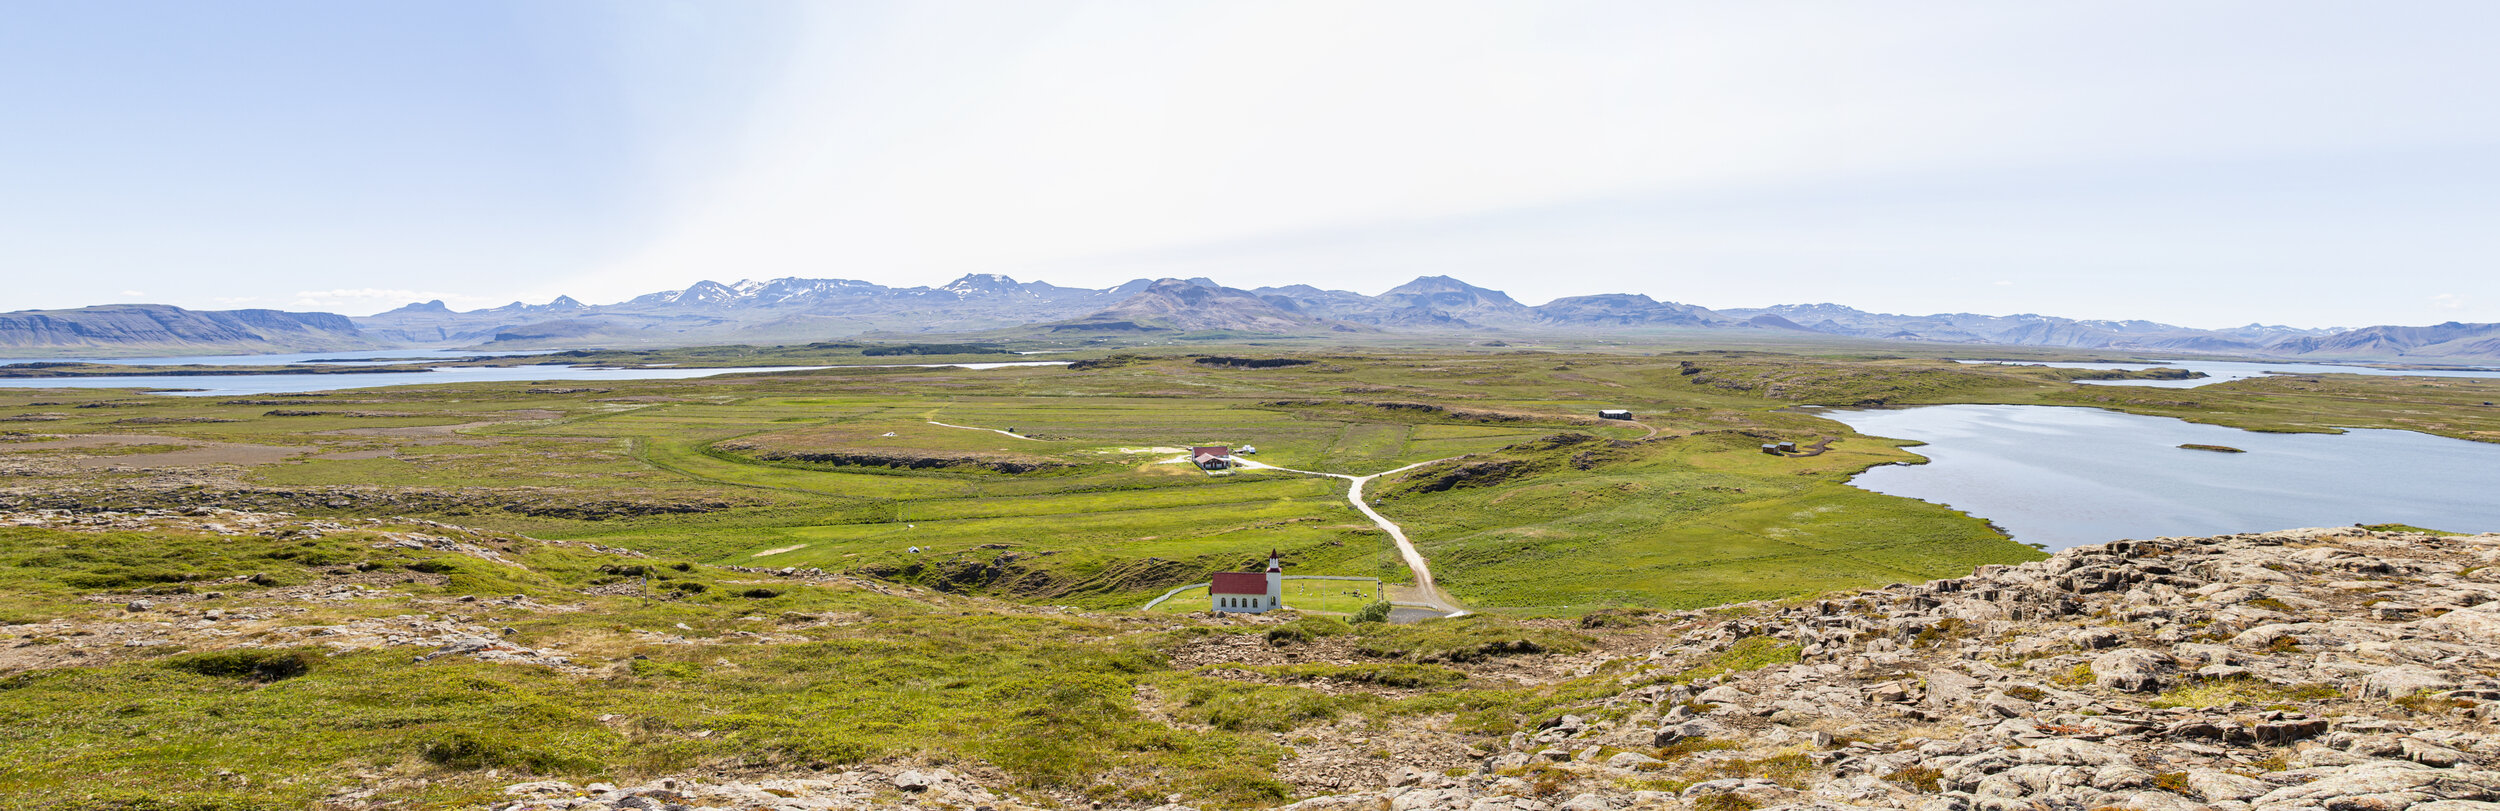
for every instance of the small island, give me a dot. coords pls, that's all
(2154, 373)
(2215, 448)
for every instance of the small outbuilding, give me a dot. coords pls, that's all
(1211, 457)
(1614, 414)
(1250, 592)
(1771, 448)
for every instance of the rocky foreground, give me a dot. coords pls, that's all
(2307, 669)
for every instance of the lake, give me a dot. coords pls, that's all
(2224, 371)
(231, 385)
(2062, 477)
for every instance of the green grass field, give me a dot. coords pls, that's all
(951, 653)
(796, 469)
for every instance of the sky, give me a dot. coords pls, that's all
(2208, 164)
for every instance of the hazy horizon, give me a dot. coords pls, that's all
(2204, 164)
(933, 283)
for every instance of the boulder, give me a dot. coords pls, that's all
(1631, 760)
(2388, 784)
(2401, 681)
(2134, 670)
(2217, 787)
(2480, 623)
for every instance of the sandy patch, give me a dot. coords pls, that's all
(194, 457)
(448, 434)
(791, 548)
(194, 453)
(419, 434)
(352, 455)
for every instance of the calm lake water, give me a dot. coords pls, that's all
(2223, 371)
(2063, 477)
(230, 385)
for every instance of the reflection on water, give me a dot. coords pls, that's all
(2064, 477)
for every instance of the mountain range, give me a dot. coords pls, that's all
(798, 310)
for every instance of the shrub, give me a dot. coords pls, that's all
(1254, 708)
(1750, 653)
(1923, 778)
(1307, 629)
(1393, 674)
(655, 667)
(1463, 639)
(250, 664)
(1724, 802)
(2240, 690)
(1375, 612)
(1613, 618)
(470, 749)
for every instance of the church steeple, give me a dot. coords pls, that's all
(1275, 579)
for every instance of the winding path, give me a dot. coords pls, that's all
(991, 430)
(1433, 596)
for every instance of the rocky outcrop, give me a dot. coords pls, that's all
(864, 788)
(2309, 669)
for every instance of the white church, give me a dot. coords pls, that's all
(1250, 592)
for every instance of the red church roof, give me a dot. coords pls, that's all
(1239, 583)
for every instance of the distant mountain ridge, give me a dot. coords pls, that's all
(2030, 330)
(166, 327)
(795, 309)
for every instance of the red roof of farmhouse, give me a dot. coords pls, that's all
(1239, 583)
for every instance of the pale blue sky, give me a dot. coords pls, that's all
(2203, 163)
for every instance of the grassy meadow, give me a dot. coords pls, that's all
(977, 598)
(847, 469)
